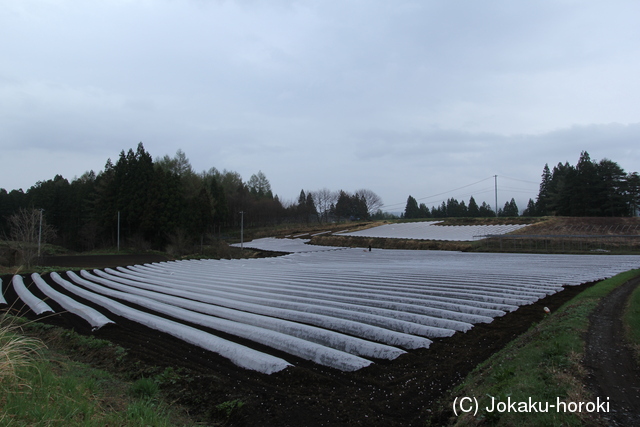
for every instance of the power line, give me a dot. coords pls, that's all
(474, 194)
(485, 190)
(453, 194)
(521, 180)
(455, 189)
(521, 190)
(440, 194)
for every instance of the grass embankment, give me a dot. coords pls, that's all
(632, 322)
(543, 364)
(43, 386)
(388, 243)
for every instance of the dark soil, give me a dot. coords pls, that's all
(614, 373)
(402, 392)
(100, 261)
(584, 226)
(626, 230)
(390, 243)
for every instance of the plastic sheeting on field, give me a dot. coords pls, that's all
(431, 230)
(2, 300)
(342, 308)
(96, 319)
(238, 354)
(34, 303)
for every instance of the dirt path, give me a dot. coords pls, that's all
(614, 372)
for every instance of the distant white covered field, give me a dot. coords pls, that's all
(339, 307)
(431, 230)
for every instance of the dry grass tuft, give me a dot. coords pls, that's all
(16, 350)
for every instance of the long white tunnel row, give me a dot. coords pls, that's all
(338, 308)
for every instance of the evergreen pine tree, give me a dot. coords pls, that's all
(220, 205)
(486, 211)
(424, 211)
(610, 193)
(542, 202)
(530, 209)
(411, 209)
(310, 205)
(584, 187)
(473, 210)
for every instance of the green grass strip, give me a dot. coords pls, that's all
(632, 322)
(42, 387)
(543, 364)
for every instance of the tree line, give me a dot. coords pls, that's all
(588, 189)
(453, 208)
(154, 202)
(164, 200)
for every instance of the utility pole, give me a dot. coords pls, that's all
(40, 233)
(242, 230)
(118, 231)
(496, 190)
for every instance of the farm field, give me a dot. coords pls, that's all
(432, 230)
(326, 314)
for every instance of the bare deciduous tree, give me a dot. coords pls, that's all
(25, 233)
(324, 198)
(371, 199)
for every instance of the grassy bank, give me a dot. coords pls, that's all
(40, 385)
(387, 243)
(632, 322)
(543, 364)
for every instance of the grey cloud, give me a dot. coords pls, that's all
(403, 96)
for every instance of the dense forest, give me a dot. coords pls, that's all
(589, 188)
(161, 201)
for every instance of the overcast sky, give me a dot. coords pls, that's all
(402, 97)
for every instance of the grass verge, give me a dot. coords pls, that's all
(632, 322)
(389, 243)
(543, 364)
(41, 386)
